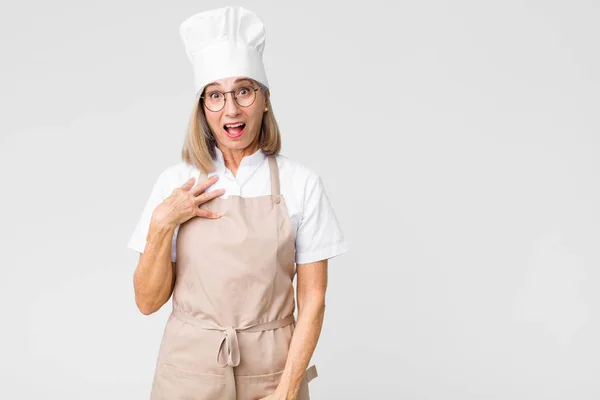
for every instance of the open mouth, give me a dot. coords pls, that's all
(234, 130)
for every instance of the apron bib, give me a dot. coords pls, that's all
(229, 333)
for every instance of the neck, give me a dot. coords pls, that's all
(233, 157)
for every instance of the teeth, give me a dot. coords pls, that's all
(235, 126)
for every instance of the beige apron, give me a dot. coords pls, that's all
(228, 335)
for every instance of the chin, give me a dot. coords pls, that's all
(236, 144)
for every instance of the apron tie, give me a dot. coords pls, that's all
(232, 356)
(229, 346)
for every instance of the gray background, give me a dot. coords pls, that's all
(456, 141)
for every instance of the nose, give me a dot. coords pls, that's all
(231, 106)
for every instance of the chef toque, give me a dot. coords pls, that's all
(224, 42)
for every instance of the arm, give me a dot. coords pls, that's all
(154, 276)
(312, 284)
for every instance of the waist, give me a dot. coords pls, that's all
(258, 327)
(228, 352)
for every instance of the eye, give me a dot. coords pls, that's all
(243, 90)
(214, 95)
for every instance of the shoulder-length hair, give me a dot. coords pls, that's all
(199, 144)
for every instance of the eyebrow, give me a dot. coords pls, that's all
(236, 81)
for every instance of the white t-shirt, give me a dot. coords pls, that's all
(318, 234)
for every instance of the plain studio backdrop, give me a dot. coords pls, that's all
(458, 143)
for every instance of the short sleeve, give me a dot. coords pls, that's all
(137, 240)
(319, 235)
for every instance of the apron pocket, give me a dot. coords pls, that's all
(172, 383)
(254, 387)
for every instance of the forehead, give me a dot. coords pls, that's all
(226, 82)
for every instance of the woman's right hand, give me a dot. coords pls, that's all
(184, 202)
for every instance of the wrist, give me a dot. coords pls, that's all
(286, 393)
(162, 224)
(162, 220)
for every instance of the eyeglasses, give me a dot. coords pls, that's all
(214, 100)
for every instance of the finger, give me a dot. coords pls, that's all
(207, 214)
(207, 196)
(202, 186)
(188, 184)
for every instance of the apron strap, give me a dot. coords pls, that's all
(311, 373)
(274, 169)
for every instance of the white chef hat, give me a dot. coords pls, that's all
(224, 42)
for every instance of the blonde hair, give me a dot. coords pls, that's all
(199, 144)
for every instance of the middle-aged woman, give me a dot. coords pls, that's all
(229, 255)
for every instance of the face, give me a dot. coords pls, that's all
(250, 117)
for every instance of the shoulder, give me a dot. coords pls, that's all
(302, 178)
(296, 171)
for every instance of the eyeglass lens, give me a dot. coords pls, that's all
(215, 100)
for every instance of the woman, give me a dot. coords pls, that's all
(229, 255)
